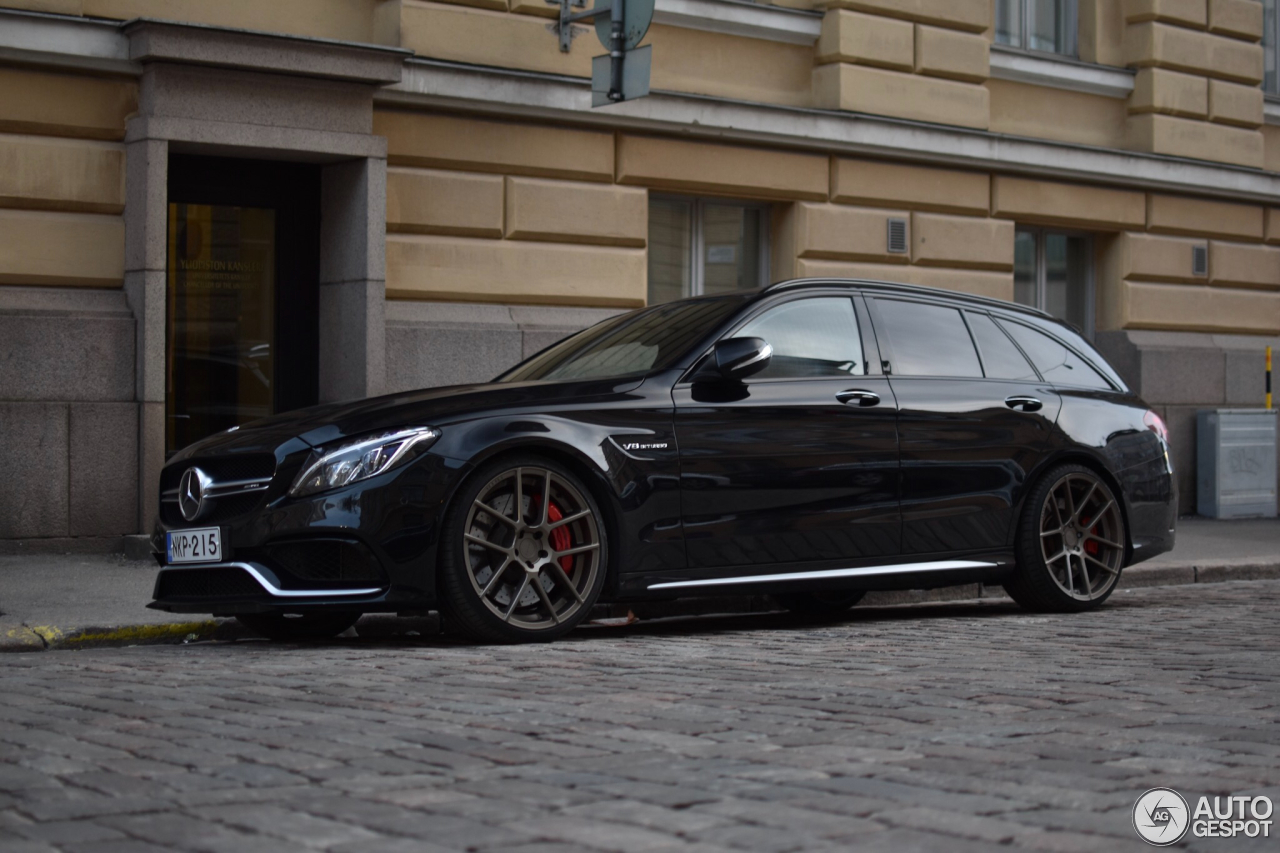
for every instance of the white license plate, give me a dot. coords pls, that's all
(202, 545)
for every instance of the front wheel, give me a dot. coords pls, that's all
(820, 605)
(524, 553)
(320, 625)
(1071, 543)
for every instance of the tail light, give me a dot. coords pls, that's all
(1155, 423)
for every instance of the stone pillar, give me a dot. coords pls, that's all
(353, 203)
(146, 249)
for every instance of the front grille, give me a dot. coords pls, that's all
(230, 507)
(207, 583)
(326, 560)
(221, 469)
(218, 509)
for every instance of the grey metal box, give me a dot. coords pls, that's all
(1236, 463)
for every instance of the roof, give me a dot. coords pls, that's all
(896, 287)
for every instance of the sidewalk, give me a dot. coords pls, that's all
(82, 600)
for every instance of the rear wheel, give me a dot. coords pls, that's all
(298, 626)
(820, 605)
(524, 553)
(1071, 543)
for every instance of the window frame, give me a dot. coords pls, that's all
(885, 344)
(1071, 35)
(773, 306)
(698, 255)
(1001, 320)
(982, 359)
(1271, 48)
(1042, 273)
(871, 353)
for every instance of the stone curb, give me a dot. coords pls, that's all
(38, 638)
(35, 638)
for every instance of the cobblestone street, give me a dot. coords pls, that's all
(933, 727)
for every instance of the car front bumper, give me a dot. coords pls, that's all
(368, 547)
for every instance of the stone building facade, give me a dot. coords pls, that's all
(214, 210)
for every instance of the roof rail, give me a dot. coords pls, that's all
(902, 288)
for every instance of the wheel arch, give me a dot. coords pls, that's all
(578, 463)
(1077, 456)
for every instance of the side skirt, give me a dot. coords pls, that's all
(923, 574)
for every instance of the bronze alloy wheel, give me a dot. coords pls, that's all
(1079, 525)
(1071, 546)
(532, 552)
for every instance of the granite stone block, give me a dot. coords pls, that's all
(33, 455)
(103, 469)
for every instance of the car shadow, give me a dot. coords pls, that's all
(390, 632)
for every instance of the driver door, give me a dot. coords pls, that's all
(796, 467)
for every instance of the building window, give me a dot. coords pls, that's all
(702, 247)
(1270, 22)
(1044, 25)
(1053, 271)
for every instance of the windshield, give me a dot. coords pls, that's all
(638, 342)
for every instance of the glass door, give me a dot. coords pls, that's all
(242, 307)
(221, 319)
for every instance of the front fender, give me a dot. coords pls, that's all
(637, 488)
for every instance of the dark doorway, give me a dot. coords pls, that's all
(242, 309)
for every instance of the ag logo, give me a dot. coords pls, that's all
(1161, 817)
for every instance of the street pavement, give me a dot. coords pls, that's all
(948, 727)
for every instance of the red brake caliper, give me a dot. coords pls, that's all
(1091, 546)
(560, 537)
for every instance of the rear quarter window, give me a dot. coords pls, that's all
(1056, 362)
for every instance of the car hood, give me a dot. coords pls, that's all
(318, 425)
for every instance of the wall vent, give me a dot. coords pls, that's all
(897, 236)
(1199, 260)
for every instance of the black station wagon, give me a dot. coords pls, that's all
(809, 441)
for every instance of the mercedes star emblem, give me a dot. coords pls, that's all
(191, 490)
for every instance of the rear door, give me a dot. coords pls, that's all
(798, 465)
(974, 419)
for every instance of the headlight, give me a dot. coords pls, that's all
(333, 467)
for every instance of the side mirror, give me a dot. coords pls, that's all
(738, 358)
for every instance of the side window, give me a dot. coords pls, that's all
(810, 338)
(1000, 358)
(1056, 363)
(927, 340)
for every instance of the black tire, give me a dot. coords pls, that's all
(1079, 578)
(315, 625)
(820, 605)
(545, 593)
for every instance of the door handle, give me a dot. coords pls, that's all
(858, 397)
(1023, 404)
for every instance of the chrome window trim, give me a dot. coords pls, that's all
(864, 571)
(256, 573)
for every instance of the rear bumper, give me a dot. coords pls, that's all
(1151, 498)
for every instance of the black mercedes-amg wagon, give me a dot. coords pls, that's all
(809, 441)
